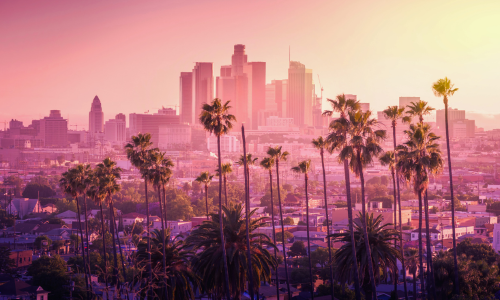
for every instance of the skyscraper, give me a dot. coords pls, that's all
(96, 117)
(114, 129)
(203, 91)
(300, 94)
(256, 74)
(186, 97)
(151, 123)
(54, 130)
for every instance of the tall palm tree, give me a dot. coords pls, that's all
(95, 193)
(361, 148)
(268, 164)
(207, 242)
(444, 88)
(411, 258)
(394, 114)
(227, 168)
(304, 167)
(71, 183)
(321, 144)
(276, 154)
(419, 157)
(380, 241)
(217, 120)
(108, 173)
(160, 175)
(138, 152)
(337, 138)
(205, 178)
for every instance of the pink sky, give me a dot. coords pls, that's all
(60, 54)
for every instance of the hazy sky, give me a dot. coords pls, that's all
(60, 54)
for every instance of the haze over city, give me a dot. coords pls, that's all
(60, 54)
(263, 150)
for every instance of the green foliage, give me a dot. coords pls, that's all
(266, 199)
(340, 292)
(32, 189)
(50, 274)
(63, 205)
(374, 180)
(179, 205)
(135, 228)
(288, 236)
(288, 221)
(298, 248)
(39, 239)
(320, 256)
(493, 207)
(17, 182)
(478, 252)
(96, 263)
(7, 264)
(387, 201)
(55, 220)
(302, 223)
(375, 191)
(301, 276)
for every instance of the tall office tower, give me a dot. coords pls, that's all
(350, 97)
(203, 88)
(256, 74)
(238, 60)
(147, 123)
(186, 97)
(300, 94)
(276, 95)
(54, 130)
(453, 115)
(364, 107)
(96, 117)
(114, 129)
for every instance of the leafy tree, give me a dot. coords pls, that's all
(60, 159)
(57, 245)
(56, 220)
(50, 274)
(266, 199)
(298, 248)
(15, 181)
(39, 239)
(7, 264)
(302, 223)
(288, 221)
(320, 256)
(135, 228)
(387, 201)
(63, 205)
(288, 236)
(299, 275)
(32, 189)
(376, 191)
(178, 205)
(478, 252)
(375, 181)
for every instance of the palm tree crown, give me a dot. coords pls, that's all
(342, 105)
(444, 88)
(215, 117)
(417, 109)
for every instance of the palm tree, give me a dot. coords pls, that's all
(95, 192)
(394, 113)
(276, 154)
(419, 157)
(182, 283)
(205, 178)
(417, 109)
(361, 147)
(71, 183)
(138, 152)
(268, 164)
(321, 145)
(444, 88)
(250, 161)
(337, 138)
(383, 254)
(227, 168)
(160, 175)
(304, 167)
(217, 120)
(411, 258)
(108, 173)
(206, 240)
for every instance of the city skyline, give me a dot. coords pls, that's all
(134, 69)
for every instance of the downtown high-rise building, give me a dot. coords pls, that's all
(186, 97)
(96, 117)
(244, 84)
(115, 129)
(54, 130)
(203, 88)
(300, 94)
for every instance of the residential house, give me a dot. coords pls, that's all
(24, 206)
(18, 289)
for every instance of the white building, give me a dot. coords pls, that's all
(174, 135)
(228, 143)
(275, 121)
(446, 231)
(176, 227)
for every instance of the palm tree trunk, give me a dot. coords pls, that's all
(83, 247)
(395, 272)
(121, 252)
(430, 280)
(309, 242)
(104, 252)
(112, 225)
(420, 250)
(206, 198)
(87, 240)
(247, 212)
(225, 188)
(455, 260)
(150, 271)
(163, 242)
(400, 214)
(351, 229)
(365, 232)
(221, 221)
(327, 226)
(415, 285)
(282, 229)
(274, 233)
